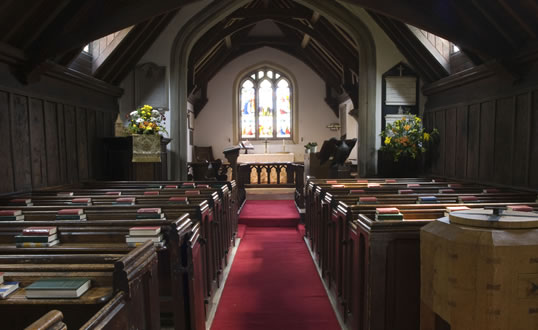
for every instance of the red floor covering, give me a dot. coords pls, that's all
(269, 213)
(273, 284)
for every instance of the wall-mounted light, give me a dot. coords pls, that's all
(334, 126)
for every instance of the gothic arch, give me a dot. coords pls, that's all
(199, 24)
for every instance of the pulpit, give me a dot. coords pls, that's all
(118, 152)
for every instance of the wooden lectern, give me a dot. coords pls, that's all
(231, 155)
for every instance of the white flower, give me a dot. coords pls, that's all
(155, 113)
(134, 113)
(140, 120)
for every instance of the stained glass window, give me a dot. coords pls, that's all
(265, 97)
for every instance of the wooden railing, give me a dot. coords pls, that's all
(271, 175)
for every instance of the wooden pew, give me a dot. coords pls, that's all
(132, 275)
(50, 321)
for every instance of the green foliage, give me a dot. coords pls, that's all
(146, 120)
(407, 138)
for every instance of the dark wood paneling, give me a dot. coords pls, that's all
(52, 147)
(533, 137)
(439, 123)
(462, 133)
(473, 142)
(100, 133)
(71, 143)
(504, 125)
(450, 136)
(62, 150)
(6, 169)
(91, 143)
(520, 143)
(37, 143)
(82, 143)
(20, 142)
(487, 140)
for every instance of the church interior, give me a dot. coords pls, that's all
(269, 164)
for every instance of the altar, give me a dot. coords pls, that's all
(281, 157)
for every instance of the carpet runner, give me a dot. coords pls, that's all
(269, 213)
(273, 283)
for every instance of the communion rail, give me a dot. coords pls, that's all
(271, 175)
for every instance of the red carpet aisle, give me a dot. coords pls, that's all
(273, 284)
(273, 213)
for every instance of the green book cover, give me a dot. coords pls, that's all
(150, 216)
(71, 217)
(61, 283)
(35, 238)
(398, 216)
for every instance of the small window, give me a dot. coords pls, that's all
(265, 105)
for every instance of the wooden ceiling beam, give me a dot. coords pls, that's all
(524, 13)
(255, 13)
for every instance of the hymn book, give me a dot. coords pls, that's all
(58, 288)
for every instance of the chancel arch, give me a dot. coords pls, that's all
(212, 15)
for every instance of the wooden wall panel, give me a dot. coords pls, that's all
(521, 141)
(504, 135)
(62, 150)
(439, 123)
(91, 143)
(82, 143)
(487, 138)
(473, 142)
(51, 139)
(37, 144)
(6, 168)
(450, 138)
(22, 168)
(71, 143)
(100, 133)
(461, 141)
(533, 137)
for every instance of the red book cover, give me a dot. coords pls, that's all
(149, 210)
(188, 184)
(39, 231)
(373, 185)
(410, 185)
(10, 212)
(454, 185)
(20, 200)
(115, 193)
(170, 187)
(362, 181)
(390, 181)
(446, 191)
(151, 192)
(356, 191)
(520, 208)
(331, 181)
(387, 210)
(468, 198)
(203, 186)
(125, 200)
(337, 186)
(71, 212)
(177, 199)
(368, 199)
(81, 200)
(192, 192)
(405, 191)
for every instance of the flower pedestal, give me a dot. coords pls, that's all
(146, 148)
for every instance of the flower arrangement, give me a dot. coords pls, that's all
(146, 120)
(310, 146)
(407, 138)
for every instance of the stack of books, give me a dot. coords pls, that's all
(37, 237)
(468, 199)
(337, 186)
(405, 191)
(65, 194)
(387, 213)
(151, 193)
(139, 235)
(520, 208)
(178, 200)
(125, 201)
(21, 202)
(71, 214)
(11, 215)
(427, 200)
(373, 185)
(70, 287)
(7, 288)
(149, 213)
(455, 208)
(81, 201)
(194, 192)
(170, 186)
(413, 185)
(205, 186)
(367, 200)
(188, 185)
(390, 181)
(331, 182)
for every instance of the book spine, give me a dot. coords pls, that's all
(34, 239)
(34, 244)
(12, 218)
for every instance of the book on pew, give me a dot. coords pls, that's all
(21, 202)
(192, 192)
(390, 181)
(170, 186)
(36, 244)
(125, 201)
(58, 288)
(160, 244)
(373, 185)
(145, 231)
(388, 213)
(454, 185)
(337, 186)
(206, 186)
(356, 191)
(427, 200)
(178, 200)
(188, 184)
(367, 200)
(35, 238)
(412, 185)
(39, 231)
(142, 239)
(7, 288)
(468, 199)
(71, 214)
(11, 215)
(149, 213)
(520, 208)
(151, 193)
(65, 194)
(454, 209)
(81, 201)
(405, 191)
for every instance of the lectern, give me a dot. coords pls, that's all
(231, 155)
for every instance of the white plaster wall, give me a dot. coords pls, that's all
(213, 126)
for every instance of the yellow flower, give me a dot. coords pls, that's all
(407, 127)
(417, 119)
(426, 136)
(387, 140)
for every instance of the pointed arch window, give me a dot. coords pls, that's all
(265, 105)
